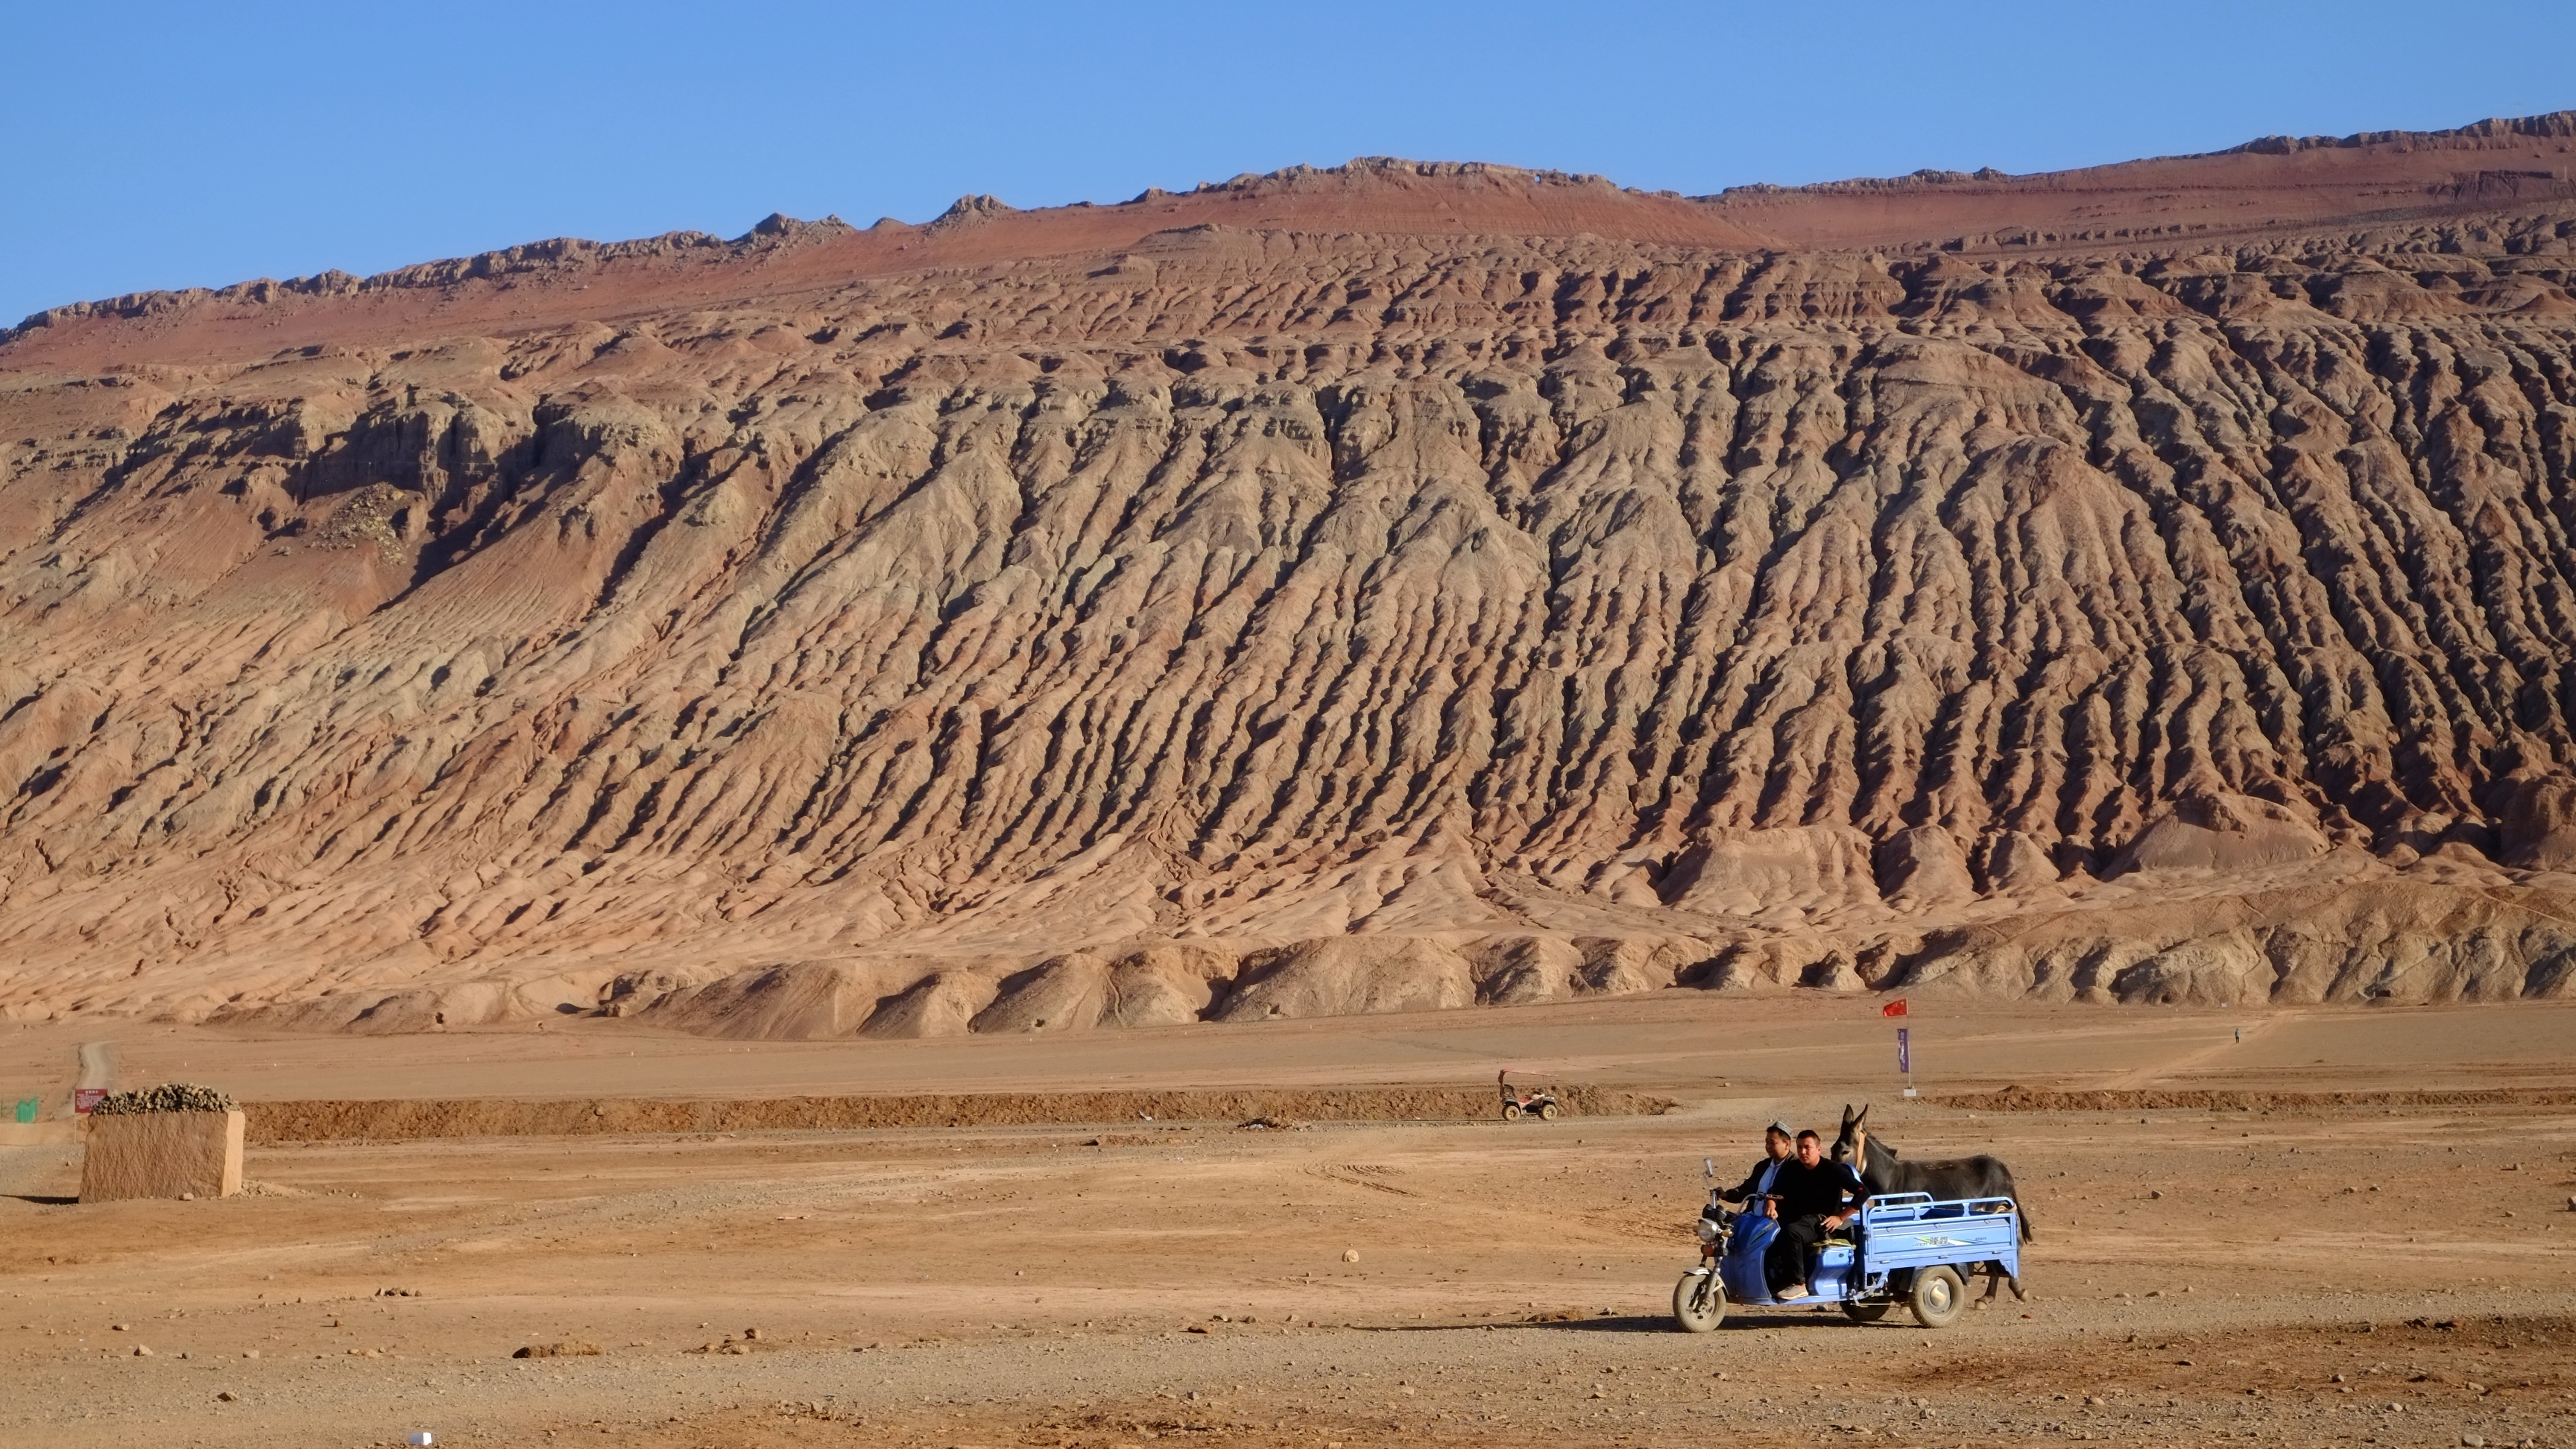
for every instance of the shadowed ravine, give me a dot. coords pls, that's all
(1276, 622)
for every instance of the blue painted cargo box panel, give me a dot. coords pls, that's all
(1914, 1231)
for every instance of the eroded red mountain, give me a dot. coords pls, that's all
(1388, 587)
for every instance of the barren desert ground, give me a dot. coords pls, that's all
(2313, 1271)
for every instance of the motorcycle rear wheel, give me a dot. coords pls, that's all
(1937, 1297)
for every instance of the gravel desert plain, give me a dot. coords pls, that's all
(2325, 1256)
(933, 835)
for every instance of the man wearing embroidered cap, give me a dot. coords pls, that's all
(1777, 1142)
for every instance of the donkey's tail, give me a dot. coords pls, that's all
(2022, 1211)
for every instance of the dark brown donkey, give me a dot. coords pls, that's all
(1882, 1170)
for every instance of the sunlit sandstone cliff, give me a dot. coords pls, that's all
(1371, 589)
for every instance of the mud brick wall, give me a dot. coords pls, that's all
(162, 1154)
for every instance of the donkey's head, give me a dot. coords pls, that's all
(1852, 1143)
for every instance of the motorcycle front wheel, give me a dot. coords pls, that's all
(1699, 1301)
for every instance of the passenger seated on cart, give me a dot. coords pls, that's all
(1810, 1195)
(1776, 1149)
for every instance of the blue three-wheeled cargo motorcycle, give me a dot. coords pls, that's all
(1904, 1248)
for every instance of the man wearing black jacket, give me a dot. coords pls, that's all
(1776, 1140)
(1811, 1195)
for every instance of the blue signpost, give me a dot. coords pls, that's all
(1905, 1056)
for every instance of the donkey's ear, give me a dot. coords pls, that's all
(1864, 1113)
(1848, 1119)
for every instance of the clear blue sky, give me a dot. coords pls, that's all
(164, 145)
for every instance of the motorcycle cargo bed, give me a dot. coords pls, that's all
(1915, 1231)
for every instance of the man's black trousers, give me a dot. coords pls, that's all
(1792, 1249)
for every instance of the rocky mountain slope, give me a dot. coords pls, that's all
(1391, 587)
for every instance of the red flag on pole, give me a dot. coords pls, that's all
(1893, 1008)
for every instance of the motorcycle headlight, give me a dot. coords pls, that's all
(1708, 1230)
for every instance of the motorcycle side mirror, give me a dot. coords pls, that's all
(1708, 1165)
